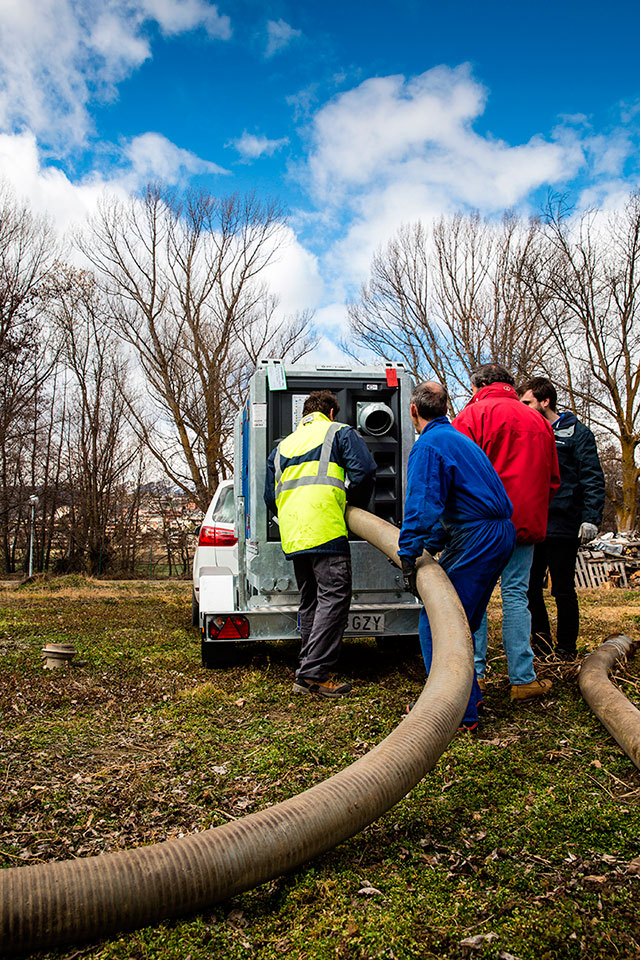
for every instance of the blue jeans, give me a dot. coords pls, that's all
(516, 619)
(473, 560)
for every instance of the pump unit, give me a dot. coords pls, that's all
(374, 400)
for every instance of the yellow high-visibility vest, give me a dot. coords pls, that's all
(310, 486)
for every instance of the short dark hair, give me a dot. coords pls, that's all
(321, 401)
(431, 400)
(488, 373)
(542, 389)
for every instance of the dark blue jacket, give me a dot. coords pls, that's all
(450, 482)
(580, 498)
(352, 453)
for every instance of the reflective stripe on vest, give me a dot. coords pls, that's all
(322, 477)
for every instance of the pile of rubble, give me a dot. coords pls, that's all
(610, 558)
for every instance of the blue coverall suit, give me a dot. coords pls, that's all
(456, 500)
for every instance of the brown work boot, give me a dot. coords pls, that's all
(527, 691)
(482, 683)
(323, 688)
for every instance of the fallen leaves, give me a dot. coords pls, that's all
(368, 890)
(478, 941)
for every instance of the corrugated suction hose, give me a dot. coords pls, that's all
(85, 899)
(610, 706)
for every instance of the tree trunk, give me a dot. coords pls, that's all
(627, 506)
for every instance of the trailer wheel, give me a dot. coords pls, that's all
(398, 644)
(195, 611)
(218, 654)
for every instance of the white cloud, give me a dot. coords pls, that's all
(48, 190)
(608, 154)
(328, 352)
(152, 157)
(279, 35)
(251, 147)
(364, 132)
(389, 128)
(56, 56)
(176, 16)
(115, 41)
(394, 150)
(294, 275)
(609, 196)
(332, 324)
(333, 319)
(39, 65)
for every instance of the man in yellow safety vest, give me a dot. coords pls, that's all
(311, 475)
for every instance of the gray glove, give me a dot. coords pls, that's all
(587, 532)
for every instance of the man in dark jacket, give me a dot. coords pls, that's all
(575, 513)
(311, 476)
(455, 500)
(521, 447)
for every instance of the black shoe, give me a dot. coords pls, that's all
(542, 644)
(561, 654)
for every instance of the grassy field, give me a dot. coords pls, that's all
(521, 843)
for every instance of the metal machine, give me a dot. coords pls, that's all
(261, 601)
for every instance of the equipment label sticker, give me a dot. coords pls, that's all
(276, 376)
(259, 414)
(297, 403)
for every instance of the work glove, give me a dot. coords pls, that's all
(409, 575)
(587, 532)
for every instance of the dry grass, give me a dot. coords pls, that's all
(79, 587)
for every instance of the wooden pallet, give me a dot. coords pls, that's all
(593, 573)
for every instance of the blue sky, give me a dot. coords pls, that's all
(358, 116)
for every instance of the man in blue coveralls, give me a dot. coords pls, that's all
(455, 503)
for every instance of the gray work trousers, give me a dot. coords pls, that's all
(324, 582)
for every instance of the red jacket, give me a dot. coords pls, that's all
(521, 446)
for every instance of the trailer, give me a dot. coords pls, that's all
(260, 600)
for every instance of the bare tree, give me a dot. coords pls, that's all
(448, 302)
(392, 318)
(99, 447)
(589, 294)
(183, 278)
(27, 252)
(481, 297)
(264, 336)
(27, 261)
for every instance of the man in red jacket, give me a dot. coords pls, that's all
(523, 451)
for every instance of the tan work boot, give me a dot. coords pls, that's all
(323, 688)
(527, 691)
(482, 683)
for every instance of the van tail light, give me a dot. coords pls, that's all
(216, 537)
(228, 628)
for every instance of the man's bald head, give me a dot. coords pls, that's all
(430, 400)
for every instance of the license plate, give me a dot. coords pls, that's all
(365, 624)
